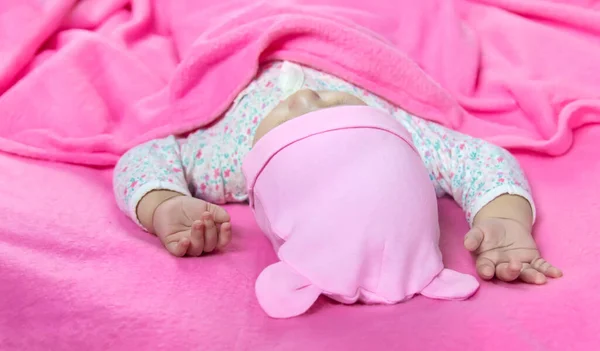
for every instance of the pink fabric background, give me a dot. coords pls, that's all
(113, 73)
(75, 274)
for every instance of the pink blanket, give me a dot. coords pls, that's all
(82, 82)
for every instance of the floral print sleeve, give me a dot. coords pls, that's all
(206, 163)
(155, 165)
(202, 165)
(472, 171)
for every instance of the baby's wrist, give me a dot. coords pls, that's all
(509, 206)
(148, 205)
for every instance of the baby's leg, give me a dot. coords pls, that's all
(151, 188)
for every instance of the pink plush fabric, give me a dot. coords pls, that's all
(114, 73)
(75, 274)
(349, 208)
(77, 78)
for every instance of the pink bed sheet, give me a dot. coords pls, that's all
(77, 275)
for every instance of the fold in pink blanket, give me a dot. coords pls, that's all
(82, 81)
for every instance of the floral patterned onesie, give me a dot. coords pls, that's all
(207, 163)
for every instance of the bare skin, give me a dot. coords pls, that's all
(301, 103)
(501, 238)
(186, 226)
(503, 245)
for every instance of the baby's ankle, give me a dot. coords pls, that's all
(148, 205)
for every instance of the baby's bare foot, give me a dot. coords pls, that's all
(190, 226)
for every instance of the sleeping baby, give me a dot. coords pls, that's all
(173, 187)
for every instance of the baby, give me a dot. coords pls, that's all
(173, 187)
